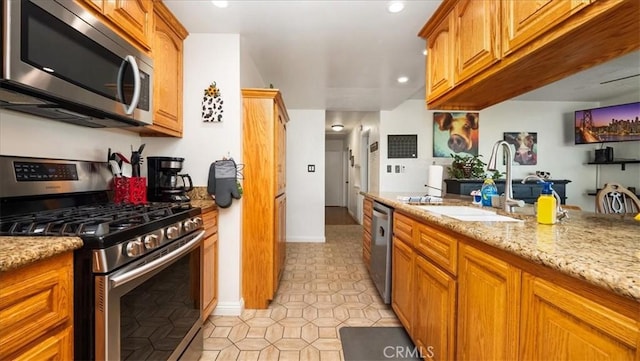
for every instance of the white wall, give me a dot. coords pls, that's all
(305, 190)
(208, 58)
(557, 153)
(30, 136)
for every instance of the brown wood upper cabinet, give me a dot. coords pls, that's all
(130, 18)
(483, 52)
(167, 53)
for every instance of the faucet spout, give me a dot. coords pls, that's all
(509, 201)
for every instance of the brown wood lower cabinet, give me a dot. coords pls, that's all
(402, 297)
(488, 307)
(36, 310)
(492, 305)
(210, 263)
(435, 309)
(560, 325)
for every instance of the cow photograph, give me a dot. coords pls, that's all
(525, 147)
(455, 133)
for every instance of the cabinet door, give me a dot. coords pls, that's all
(209, 275)
(435, 309)
(280, 152)
(58, 346)
(133, 17)
(560, 325)
(366, 234)
(488, 307)
(526, 20)
(167, 84)
(476, 37)
(402, 297)
(280, 239)
(439, 59)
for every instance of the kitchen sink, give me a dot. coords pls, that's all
(468, 214)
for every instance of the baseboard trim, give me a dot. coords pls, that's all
(306, 240)
(229, 308)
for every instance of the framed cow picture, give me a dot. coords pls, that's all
(455, 133)
(524, 147)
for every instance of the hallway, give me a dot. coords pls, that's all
(338, 215)
(324, 287)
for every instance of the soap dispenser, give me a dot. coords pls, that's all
(487, 191)
(547, 206)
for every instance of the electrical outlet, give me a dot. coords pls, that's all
(389, 168)
(311, 168)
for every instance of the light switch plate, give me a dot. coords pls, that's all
(311, 168)
(389, 168)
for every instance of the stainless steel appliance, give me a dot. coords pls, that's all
(381, 233)
(165, 183)
(61, 63)
(137, 284)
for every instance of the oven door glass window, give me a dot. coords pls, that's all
(154, 316)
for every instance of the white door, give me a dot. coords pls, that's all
(334, 179)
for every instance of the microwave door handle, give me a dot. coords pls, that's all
(136, 84)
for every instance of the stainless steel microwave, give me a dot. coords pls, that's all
(62, 63)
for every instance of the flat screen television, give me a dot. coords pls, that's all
(616, 123)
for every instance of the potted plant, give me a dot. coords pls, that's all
(466, 173)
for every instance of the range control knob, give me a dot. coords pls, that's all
(189, 225)
(172, 232)
(198, 221)
(151, 241)
(134, 248)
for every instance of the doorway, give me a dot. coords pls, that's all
(334, 178)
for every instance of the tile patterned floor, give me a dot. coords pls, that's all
(324, 287)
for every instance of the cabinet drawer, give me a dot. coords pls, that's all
(403, 228)
(34, 300)
(366, 224)
(438, 246)
(210, 220)
(368, 207)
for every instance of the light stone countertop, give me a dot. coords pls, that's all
(16, 252)
(601, 249)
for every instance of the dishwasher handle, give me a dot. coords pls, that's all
(379, 214)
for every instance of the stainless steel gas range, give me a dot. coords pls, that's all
(137, 284)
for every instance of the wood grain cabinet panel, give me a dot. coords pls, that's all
(476, 37)
(134, 17)
(439, 246)
(402, 282)
(366, 234)
(36, 310)
(523, 21)
(439, 59)
(210, 263)
(560, 325)
(264, 201)
(434, 327)
(403, 228)
(488, 307)
(167, 53)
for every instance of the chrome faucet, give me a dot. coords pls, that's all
(509, 201)
(560, 213)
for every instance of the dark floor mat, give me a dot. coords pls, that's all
(377, 343)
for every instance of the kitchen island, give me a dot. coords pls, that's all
(516, 290)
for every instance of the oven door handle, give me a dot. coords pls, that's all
(127, 277)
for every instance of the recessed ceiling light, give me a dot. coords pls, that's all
(337, 127)
(403, 79)
(220, 4)
(395, 6)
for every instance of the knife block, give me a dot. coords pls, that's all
(130, 190)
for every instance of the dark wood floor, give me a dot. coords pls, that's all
(337, 215)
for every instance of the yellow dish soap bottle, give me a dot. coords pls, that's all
(547, 205)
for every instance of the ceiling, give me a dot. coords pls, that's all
(345, 55)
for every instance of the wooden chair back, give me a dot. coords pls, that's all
(614, 198)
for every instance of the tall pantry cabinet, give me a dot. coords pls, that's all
(264, 201)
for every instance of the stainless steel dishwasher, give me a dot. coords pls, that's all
(381, 229)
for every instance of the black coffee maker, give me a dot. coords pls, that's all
(166, 184)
